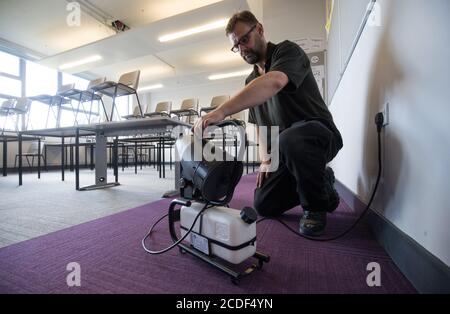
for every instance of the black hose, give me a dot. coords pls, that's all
(379, 123)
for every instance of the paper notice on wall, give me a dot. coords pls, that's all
(311, 44)
(316, 44)
(319, 75)
(303, 43)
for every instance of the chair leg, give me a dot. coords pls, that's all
(170, 156)
(3, 128)
(113, 103)
(139, 104)
(104, 110)
(43, 159)
(28, 120)
(78, 108)
(28, 162)
(48, 115)
(5, 121)
(16, 123)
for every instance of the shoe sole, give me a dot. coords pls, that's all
(310, 233)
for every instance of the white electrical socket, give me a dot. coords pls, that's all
(385, 113)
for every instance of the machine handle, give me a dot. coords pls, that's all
(225, 123)
(174, 216)
(241, 131)
(179, 202)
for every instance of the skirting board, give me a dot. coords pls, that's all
(426, 272)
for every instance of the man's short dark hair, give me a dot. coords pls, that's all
(246, 17)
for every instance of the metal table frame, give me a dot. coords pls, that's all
(101, 131)
(5, 138)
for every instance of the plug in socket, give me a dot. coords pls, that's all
(385, 113)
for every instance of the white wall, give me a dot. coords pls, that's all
(294, 19)
(346, 21)
(203, 92)
(282, 19)
(403, 62)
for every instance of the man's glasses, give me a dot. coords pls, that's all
(243, 41)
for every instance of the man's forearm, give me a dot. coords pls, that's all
(255, 93)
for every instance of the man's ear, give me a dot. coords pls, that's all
(260, 29)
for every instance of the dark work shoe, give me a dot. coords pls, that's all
(333, 195)
(313, 223)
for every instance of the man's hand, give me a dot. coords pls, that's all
(214, 116)
(263, 173)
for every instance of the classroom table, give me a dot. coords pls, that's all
(138, 127)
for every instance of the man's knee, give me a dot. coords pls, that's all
(268, 206)
(293, 145)
(286, 140)
(262, 204)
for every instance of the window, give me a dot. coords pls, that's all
(40, 80)
(9, 64)
(10, 86)
(5, 121)
(67, 118)
(123, 106)
(80, 83)
(10, 81)
(38, 116)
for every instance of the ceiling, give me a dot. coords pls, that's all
(47, 37)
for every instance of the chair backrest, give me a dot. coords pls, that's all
(136, 111)
(218, 100)
(165, 106)
(8, 104)
(33, 148)
(66, 87)
(96, 82)
(130, 79)
(22, 104)
(191, 103)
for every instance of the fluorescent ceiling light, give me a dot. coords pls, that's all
(80, 62)
(228, 75)
(195, 30)
(156, 86)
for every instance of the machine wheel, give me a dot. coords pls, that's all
(259, 266)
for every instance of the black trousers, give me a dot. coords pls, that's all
(305, 149)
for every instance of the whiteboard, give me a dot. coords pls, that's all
(346, 21)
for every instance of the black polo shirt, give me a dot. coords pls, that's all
(299, 100)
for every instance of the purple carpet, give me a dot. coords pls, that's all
(112, 260)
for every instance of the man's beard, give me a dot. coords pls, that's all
(252, 57)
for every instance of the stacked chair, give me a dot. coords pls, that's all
(54, 101)
(162, 109)
(215, 102)
(127, 85)
(84, 96)
(188, 110)
(17, 108)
